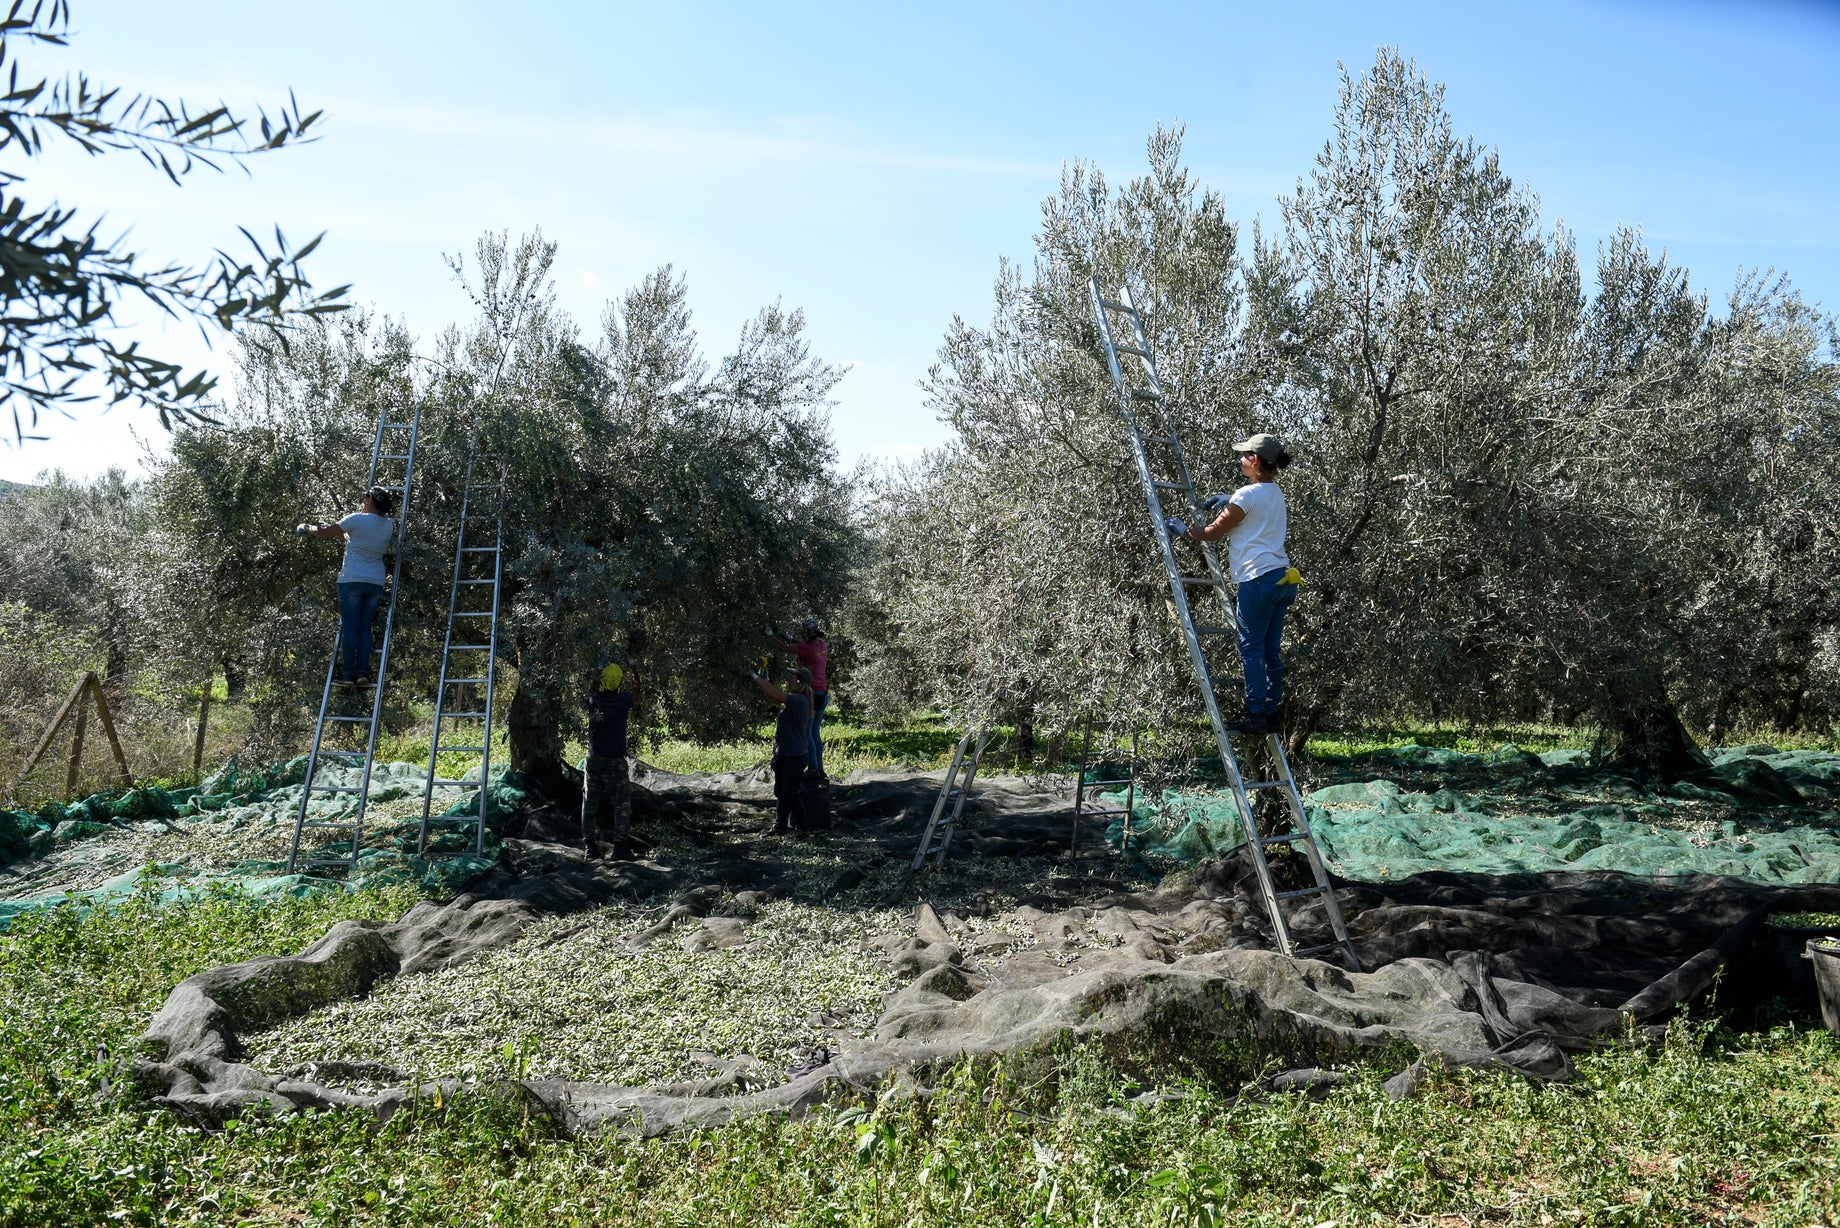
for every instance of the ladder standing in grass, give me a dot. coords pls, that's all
(1163, 470)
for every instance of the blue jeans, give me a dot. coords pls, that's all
(1262, 603)
(357, 610)
(818, 700)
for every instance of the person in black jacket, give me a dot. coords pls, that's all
(606, 785)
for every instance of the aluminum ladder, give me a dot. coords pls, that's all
(466, 667)
(950, 804)
(1084, 789)
(352, 820)
(1145, 410)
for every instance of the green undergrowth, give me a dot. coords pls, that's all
(1712, 1126)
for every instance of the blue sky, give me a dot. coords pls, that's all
(870, 164)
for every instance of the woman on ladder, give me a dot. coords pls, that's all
(366, 534)
(1253, 520)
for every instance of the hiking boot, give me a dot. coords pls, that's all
(1247, 723)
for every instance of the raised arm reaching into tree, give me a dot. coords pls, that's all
(814, 653)
(366, 534)
(791, 746)
(1253, 519)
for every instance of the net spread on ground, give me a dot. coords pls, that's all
(1512, 910)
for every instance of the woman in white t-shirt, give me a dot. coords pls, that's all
(366, 534)
(1253, 520)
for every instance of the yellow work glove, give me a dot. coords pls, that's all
(1292, 576)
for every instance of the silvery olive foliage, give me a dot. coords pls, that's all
(659, 510)
(1512, 499)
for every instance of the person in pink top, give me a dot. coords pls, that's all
(814, 653)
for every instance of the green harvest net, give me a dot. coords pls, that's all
(61, 841)
(1758, 814)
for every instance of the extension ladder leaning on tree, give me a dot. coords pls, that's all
(1162, 469)
(351, 819)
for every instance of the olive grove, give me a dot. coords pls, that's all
(660, 509)
(1513, 498)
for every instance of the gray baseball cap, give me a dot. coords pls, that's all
(1266, 447)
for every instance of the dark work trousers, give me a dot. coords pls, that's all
(606, 794)
(788, 770)
(358, 604)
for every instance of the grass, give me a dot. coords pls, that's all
(1711, 1126)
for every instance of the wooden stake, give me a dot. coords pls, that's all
(92, 686)
(76, 750)
(108, 727)
(57, 723)
(204, 714)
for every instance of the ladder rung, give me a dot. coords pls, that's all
(1117, 306)
(1305, 952)
(1120, 780)
(1298, 894)
(1099, 814)
(399, 426)
(1205, 630)
(479, 581)
(468, 647)
(1131, 349)
(1264, 784)
(340, 826)
(394, 456)
(343, 754)
(1290, 839)
(1199, 580)
(478, 549)
(467, 784)
(332, 789)
(356, 720)
(381, 486)
(474, 613)
(456, 681)
(1160, 485)
(454, 716)
(443, 749)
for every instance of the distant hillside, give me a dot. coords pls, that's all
(7, 488)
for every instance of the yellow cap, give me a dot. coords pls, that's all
(610, 678)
